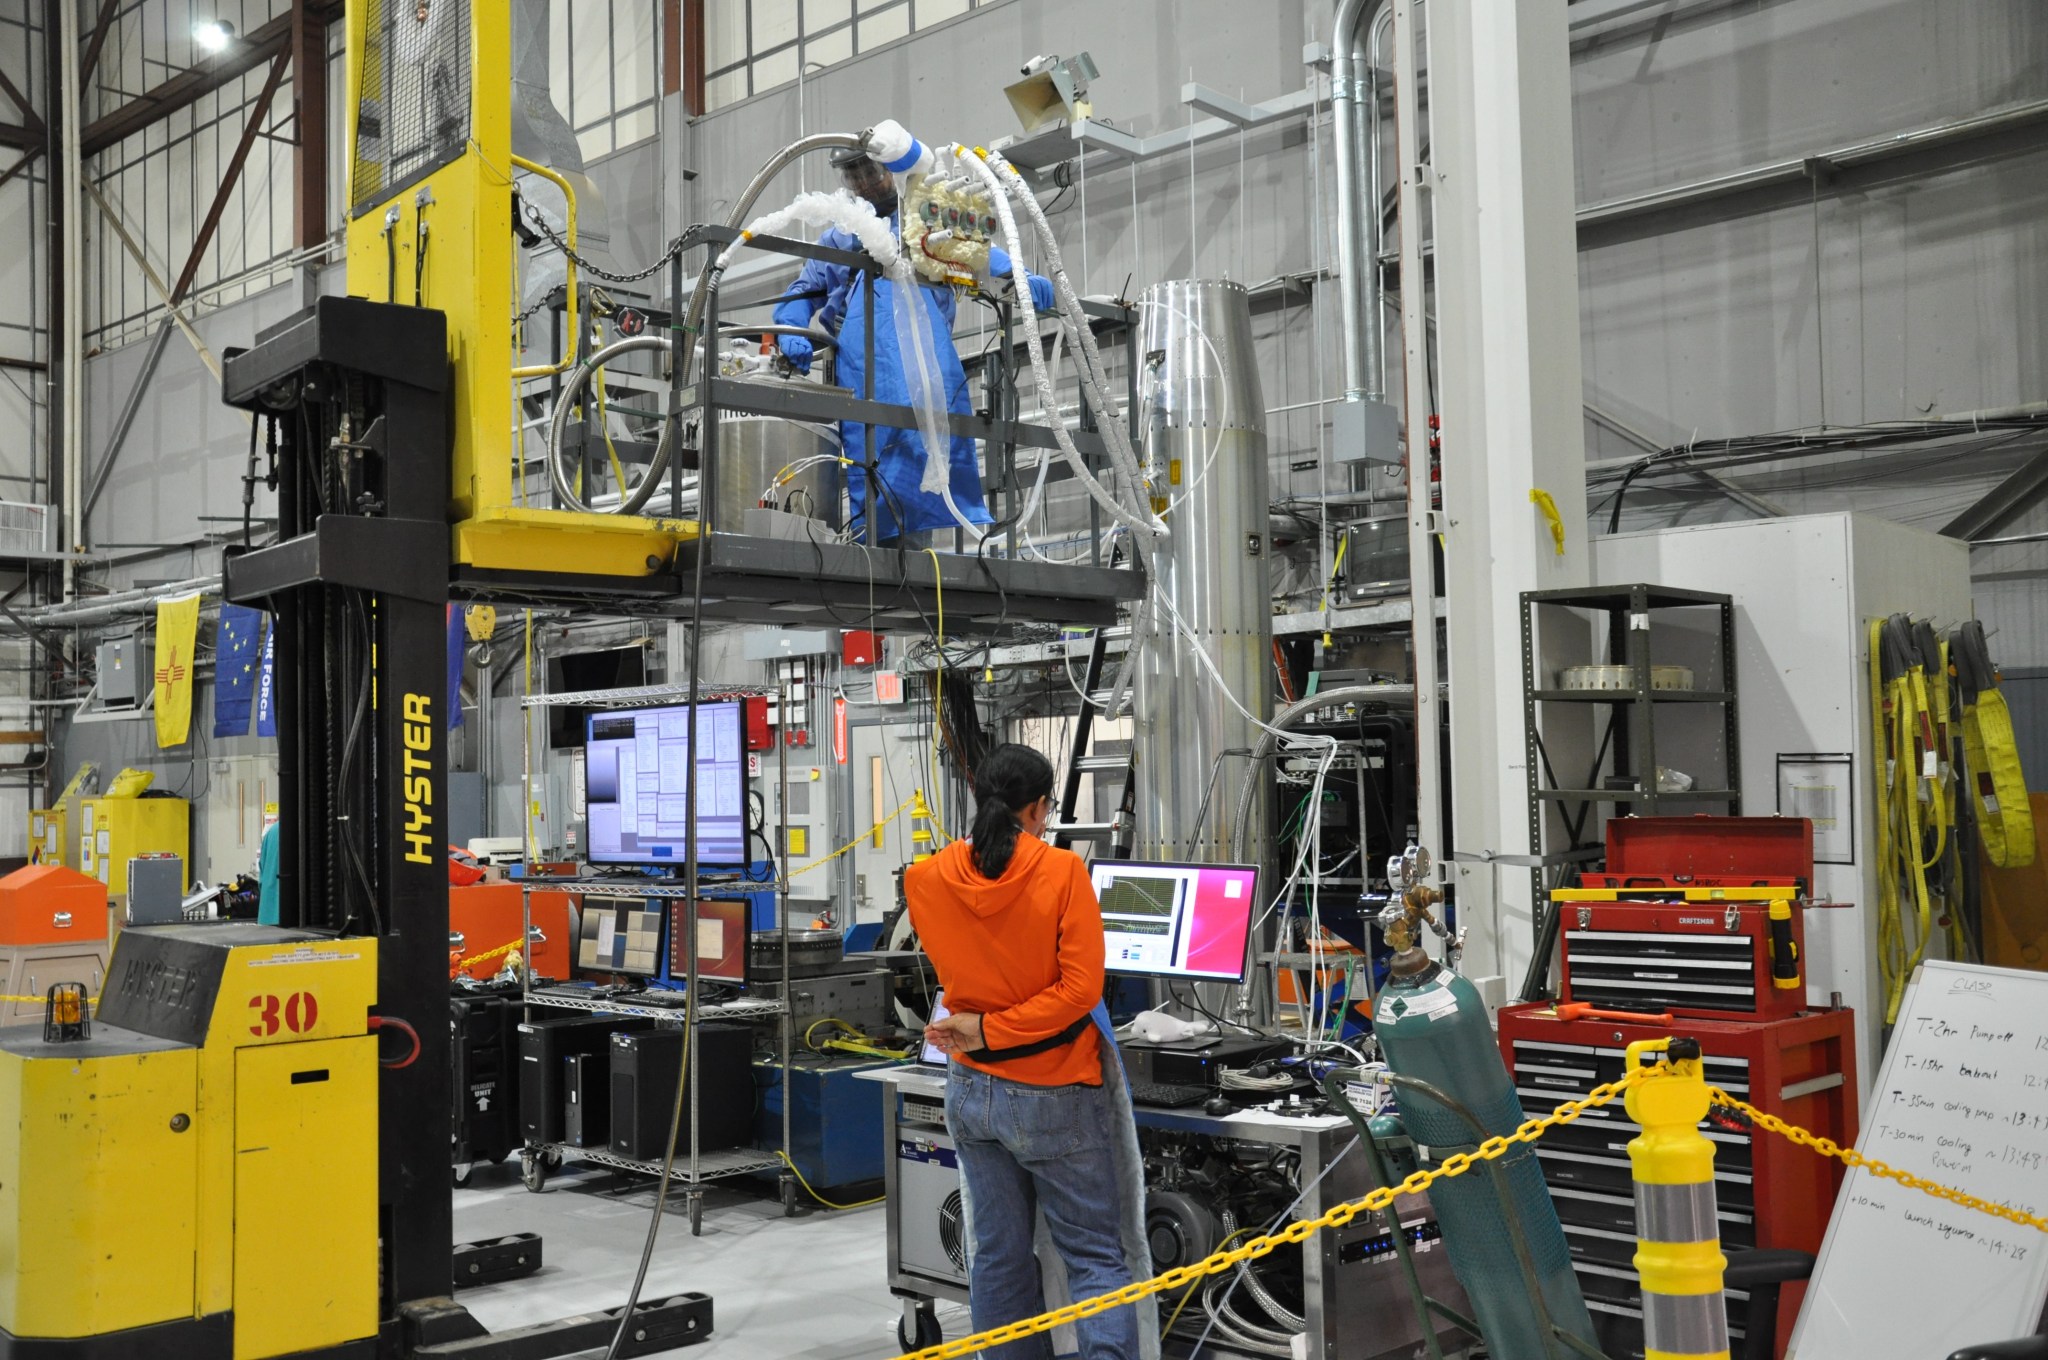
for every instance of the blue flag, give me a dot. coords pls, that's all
(234, 669)
(458, 641)
(266, 685)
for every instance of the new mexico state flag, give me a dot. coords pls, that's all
(177, 634)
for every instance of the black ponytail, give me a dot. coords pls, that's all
(1011, 779)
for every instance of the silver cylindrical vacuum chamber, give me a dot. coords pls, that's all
(1202, 417)
(754, 450)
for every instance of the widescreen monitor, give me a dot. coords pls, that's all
(722, 940)
(636, 778)
(1185, 921)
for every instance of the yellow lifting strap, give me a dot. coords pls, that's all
(1998, 788)
(1914, 809)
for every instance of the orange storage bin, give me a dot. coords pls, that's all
(50, 904)
(487, 916)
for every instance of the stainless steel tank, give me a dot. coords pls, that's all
(754, 450)
(1202, 416)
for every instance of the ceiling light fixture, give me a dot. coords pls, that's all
(213, 35)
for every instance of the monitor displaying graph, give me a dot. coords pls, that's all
(1187, 921)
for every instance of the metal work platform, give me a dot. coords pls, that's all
(811, 578)
(800, 582)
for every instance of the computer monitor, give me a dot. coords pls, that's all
(722, 940)
(621, 938)
(636, 777)
(1187, 921)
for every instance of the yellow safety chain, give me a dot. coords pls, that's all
(820, 863)
(489, 954)
(1827, 1147)
(1298, 1231)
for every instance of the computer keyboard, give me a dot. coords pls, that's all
(1169, 1097)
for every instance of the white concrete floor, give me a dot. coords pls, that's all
(812, 1286)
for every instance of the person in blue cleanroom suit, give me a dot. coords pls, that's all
(831, 296)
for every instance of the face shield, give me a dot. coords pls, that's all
(865, 177)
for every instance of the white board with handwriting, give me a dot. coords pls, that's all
(1962, 1099)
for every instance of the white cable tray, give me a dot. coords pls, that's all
(745, 1008)
(639, 696)
(710, 1165)
(628, 888)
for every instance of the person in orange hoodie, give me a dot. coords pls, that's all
(1012, 927)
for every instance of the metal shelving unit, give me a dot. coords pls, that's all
(1629, 739)
(694, 1166)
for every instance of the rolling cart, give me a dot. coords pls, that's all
(695, 1167)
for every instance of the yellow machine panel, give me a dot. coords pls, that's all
(284, 993)
(98, 1182)
(306, 1196)
(112, 831)
(430, 225)
(204, 1163)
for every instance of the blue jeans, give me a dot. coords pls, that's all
(1025, 1149)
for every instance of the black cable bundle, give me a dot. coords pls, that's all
(960, 720)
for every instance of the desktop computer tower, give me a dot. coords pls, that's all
(643, 1086)
(543, 1046)
(587, 1100)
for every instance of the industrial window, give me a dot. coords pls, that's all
(604, 68)
(755, 45)
(161, 180)
(24, 318)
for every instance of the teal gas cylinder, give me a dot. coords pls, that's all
(1432, 1026)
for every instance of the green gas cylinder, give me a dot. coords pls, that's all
(1432, 1026)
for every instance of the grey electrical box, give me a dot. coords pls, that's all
(120, 675)
(1368, 431)
(156, 890)
(776, 644)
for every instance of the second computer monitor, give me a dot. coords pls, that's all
(1189, 921)
(722, 940)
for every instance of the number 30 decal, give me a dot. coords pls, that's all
(297, 1013)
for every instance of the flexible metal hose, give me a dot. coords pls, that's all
(558, 426)
(1276, 1310)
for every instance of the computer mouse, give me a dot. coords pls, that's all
(1218, 1105)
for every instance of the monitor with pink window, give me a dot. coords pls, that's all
(1188, 921)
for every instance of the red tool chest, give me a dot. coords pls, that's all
(1770, 1192)
(1697, 916)
(1695, 952)
(1706, 851)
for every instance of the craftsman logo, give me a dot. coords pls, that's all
(297, 1013)
(170, 673)
(1697, 921)
(419, 784)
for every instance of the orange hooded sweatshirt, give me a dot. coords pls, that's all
(1023, 951)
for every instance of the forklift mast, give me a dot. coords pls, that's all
(354, 396)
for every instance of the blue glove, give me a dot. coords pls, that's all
(1041, 292)
(797, 350)
(999, 263)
